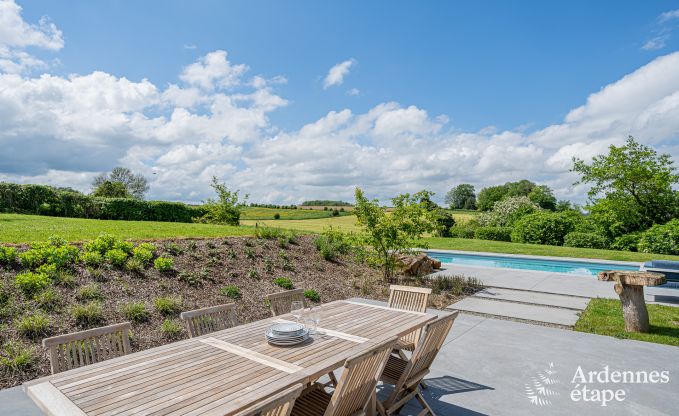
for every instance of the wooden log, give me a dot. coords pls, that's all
(629, 285)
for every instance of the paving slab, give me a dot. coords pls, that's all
(535, 298)
(535, 313)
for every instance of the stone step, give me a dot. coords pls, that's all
(534, 298)
(565, 318)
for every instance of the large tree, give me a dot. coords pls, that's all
(463, 196)
(540, 194)
(631, 187)
(135, 184)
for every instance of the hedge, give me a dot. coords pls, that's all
(661, 239)
(47, 200)
(585, 240)
(493, 233)
(542, 228)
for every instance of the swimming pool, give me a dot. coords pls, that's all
(530, 263)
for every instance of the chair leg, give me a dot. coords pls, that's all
(333, 380)
(424, 404)
(423, 384)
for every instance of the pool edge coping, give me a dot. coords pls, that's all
(533, 257)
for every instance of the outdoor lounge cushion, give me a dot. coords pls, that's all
(669, 268)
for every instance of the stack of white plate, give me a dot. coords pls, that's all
(287, 333)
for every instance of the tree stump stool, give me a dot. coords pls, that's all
(629, 285)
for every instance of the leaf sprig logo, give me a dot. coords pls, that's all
(540, 390)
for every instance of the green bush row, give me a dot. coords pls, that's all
(47, 200)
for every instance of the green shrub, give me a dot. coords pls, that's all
(542, 228)
(276, 216)
(32, 283)
(312, 295)
(253, 274)
(90, 314)
(124, 246)
(444, 221)
(192, 279)
(135, 311)
(90, 292)
(249, 253)
(332, 243)
(92, 258)
(35, 325)
(661, 239)
(147, 246)
(47, 300)
(627, 242)
(508, 211)
(462, 231)
(168, 305)
(173, 248)
(163, 264)
(273, 233)
(230, 291)
(585, 240)
(142, 255)
(171, 329)
(49, 270)
(65, 278)
(103, 243)
(135, 266)
(31, 259)
(8, 256)
(116, 257)
(456, 285)
(493, 233)
(17, 358)
(283, 282)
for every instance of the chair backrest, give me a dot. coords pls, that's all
(280, 302)
(82, 348)
(206, 320)
(409, 298)
(359, 379)
(279, 404)
(428, 347)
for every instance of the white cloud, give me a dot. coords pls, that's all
(669, 15)
(16, 34)
(213, 70)
(337, 73)
(354, 92)
(657, 42)
(215, 121)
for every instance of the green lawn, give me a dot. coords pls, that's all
(346, 223)
(539, 250)
(258, 213)
(604, 317)
(15, 228)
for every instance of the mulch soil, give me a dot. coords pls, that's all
(202, 268)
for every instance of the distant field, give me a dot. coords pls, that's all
(257, 213)
(15, 228)
(346, 223)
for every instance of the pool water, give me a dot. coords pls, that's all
(546, 265)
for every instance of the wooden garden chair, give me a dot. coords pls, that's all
(280, 303)
(206, 320)
(406, 375)
(408, 298)
(355, 391)
(279, 404)
(82, 348)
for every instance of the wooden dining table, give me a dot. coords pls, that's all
(222, 372)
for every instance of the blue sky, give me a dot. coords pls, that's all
(482, 63)
(463, 79)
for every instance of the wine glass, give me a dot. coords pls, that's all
(314, 316)
(296, 309)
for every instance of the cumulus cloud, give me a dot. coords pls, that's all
(215, 120)
(16, 34)
(337, 73)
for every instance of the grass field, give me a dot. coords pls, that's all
(15, 228)
(258, 213)
(604, 317)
